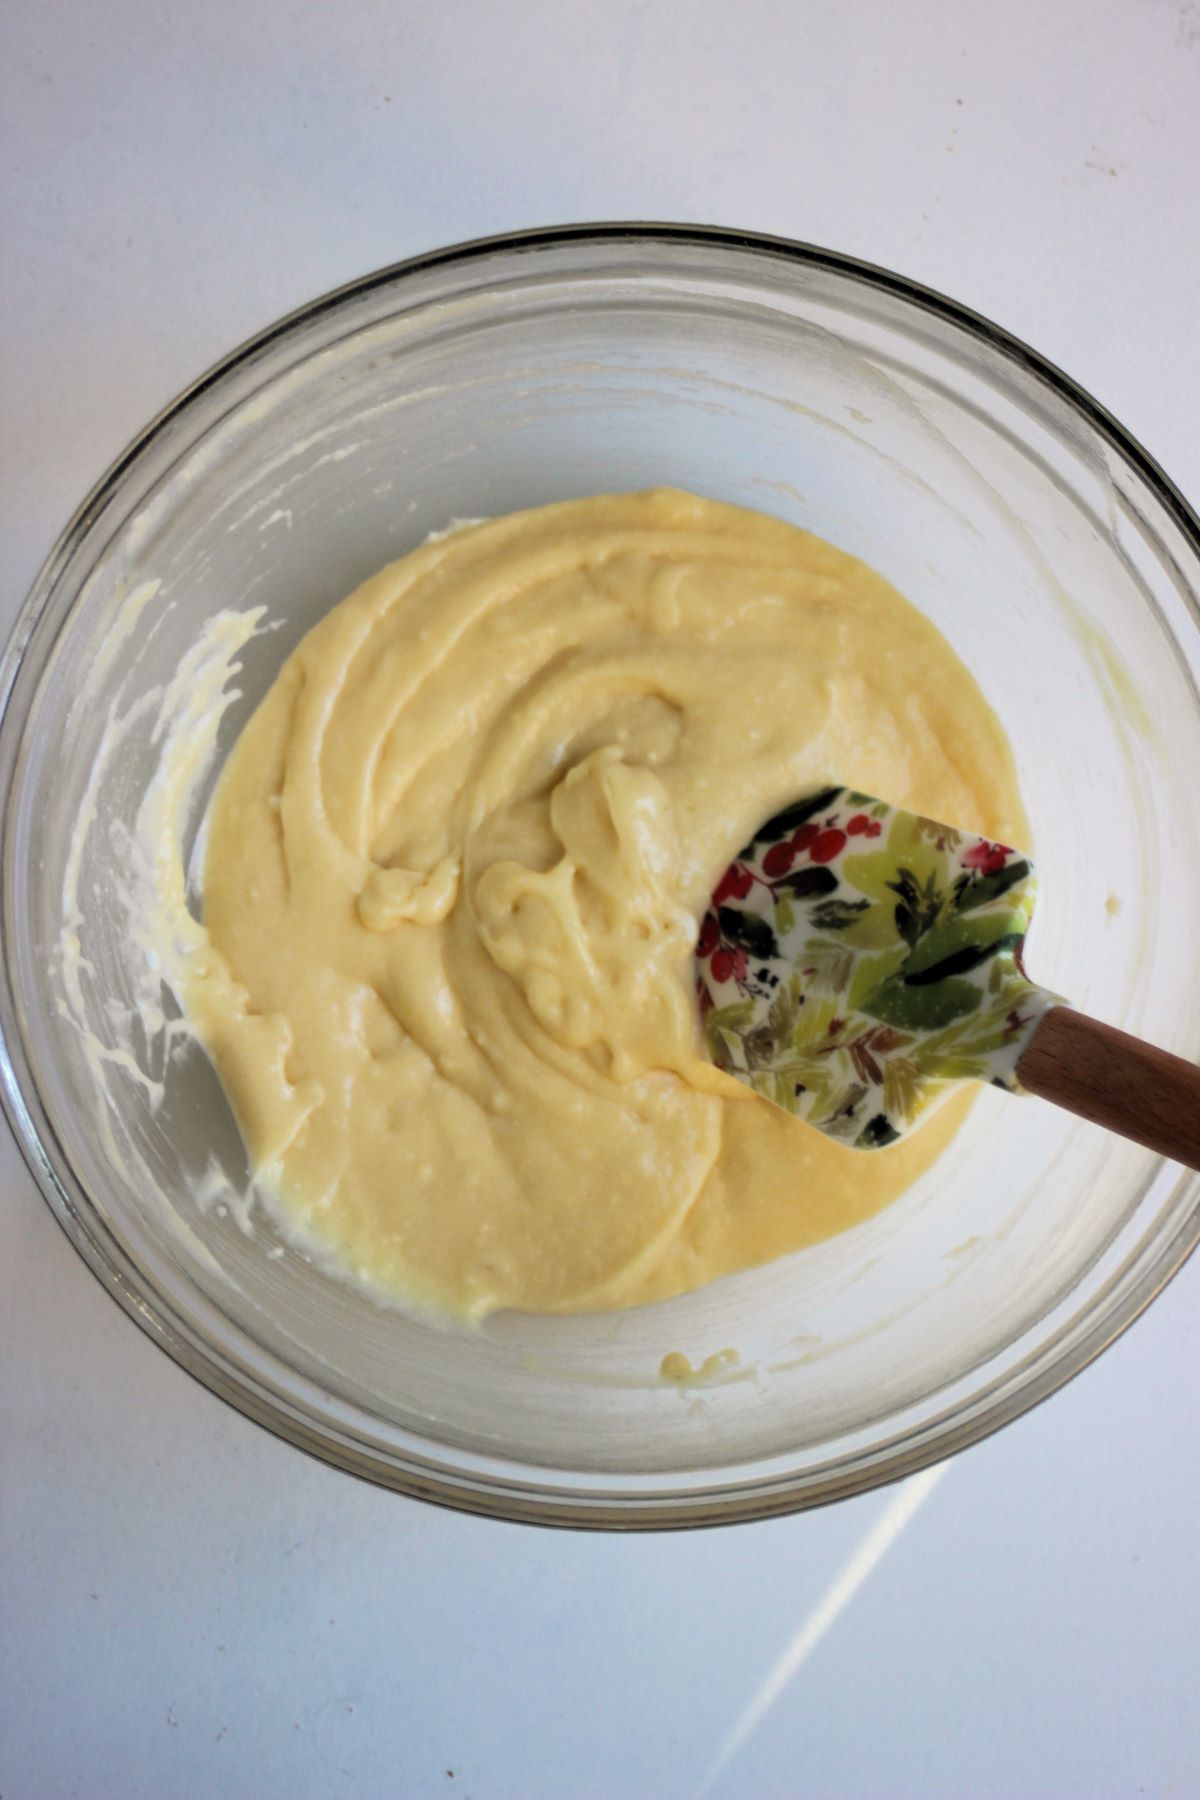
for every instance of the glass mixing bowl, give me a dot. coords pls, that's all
(1044, 543)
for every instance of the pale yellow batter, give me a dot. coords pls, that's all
(454, 871)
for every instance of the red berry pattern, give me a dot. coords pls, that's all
(829, 843)
(987, 858)
(734, 884)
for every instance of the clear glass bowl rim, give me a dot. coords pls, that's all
(232, 1380)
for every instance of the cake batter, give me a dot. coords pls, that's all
(455, 867)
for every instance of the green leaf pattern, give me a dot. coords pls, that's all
(858, 960)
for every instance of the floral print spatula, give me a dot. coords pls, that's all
(857, 961)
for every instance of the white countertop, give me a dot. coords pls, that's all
(190, 1608)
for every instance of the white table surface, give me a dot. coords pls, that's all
(193, 1609)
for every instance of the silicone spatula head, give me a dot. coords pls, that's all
(857, 961)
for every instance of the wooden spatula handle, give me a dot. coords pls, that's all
(1116, 1081)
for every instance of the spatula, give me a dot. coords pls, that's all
(858, 961)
